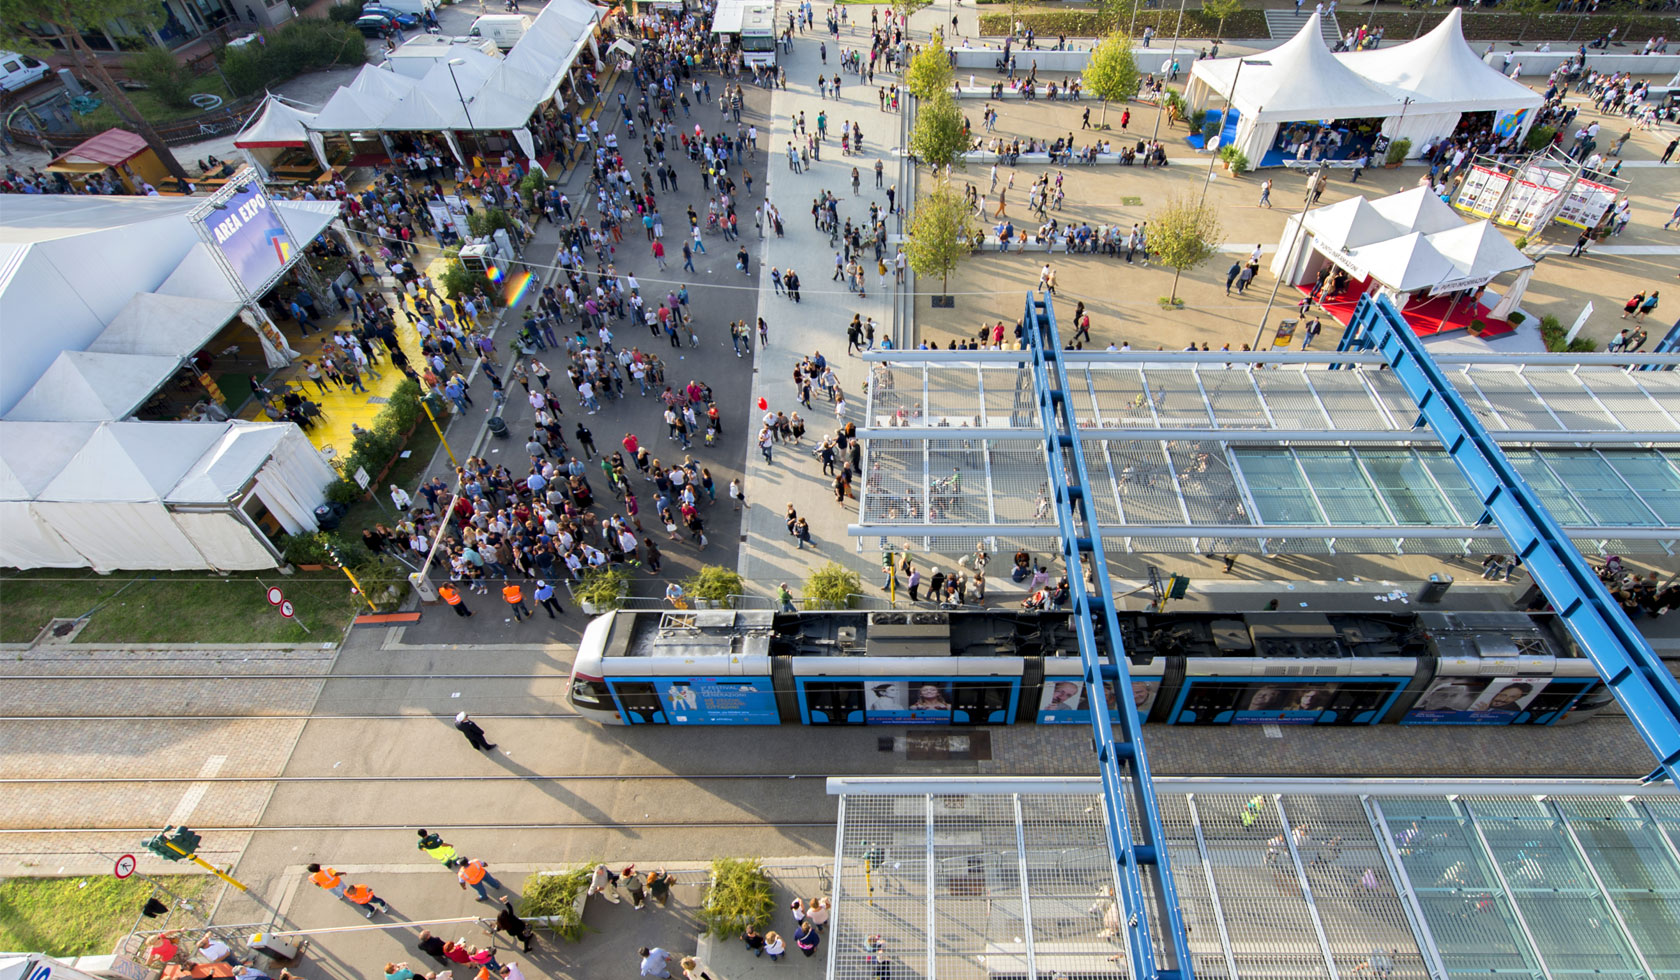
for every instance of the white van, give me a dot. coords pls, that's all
(18, 71)
(504, 29)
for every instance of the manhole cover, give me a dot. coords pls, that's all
(61, 631)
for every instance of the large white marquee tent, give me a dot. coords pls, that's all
(1420, 88)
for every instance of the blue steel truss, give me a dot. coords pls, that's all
(1120, 755)
(1634, 673)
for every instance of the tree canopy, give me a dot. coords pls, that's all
(940, 227)
(930, 70)
(1111, 74)
(1183, 234)
(939, 137)
(1220, 9)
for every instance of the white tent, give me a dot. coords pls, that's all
(31, 454)
(1403, 264)
(153, 494)
(154, 323)
(1446, 79)
(279, 127)
(1480, 252)
(84, 386)
(1300, 80)
(1417, 210)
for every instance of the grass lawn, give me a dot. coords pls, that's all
(79, 916)
(175, 607)
(152, 107)
(405, 473)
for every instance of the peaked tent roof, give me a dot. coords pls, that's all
(242, 450)
(1405, 264)
(132, 461)
(1441, 69)
(32, 453)
(154, 323)
(1479, 250)
(279, 125)
(199, 275)
(1350, 224)
(81, 386)
(1417, 210)
(1300, 79)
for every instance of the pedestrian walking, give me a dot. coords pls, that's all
(327, 879)
(659, 886)
(786, 598)
(363, 897)
(437, 849)
(475, 735)
(633, 885)
(476, 874)
(807, 938)
(603, 882)
(656, 962)
(545, 598)
(452, 597)
(1266, 193)
(508, 921)
(515, 598)
(773, 945)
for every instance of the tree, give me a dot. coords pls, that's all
(1111, 73)
(1220, 9)
(930, 70)
(940, 227)
(904, 8)
(1182, 235)
(940, 135)
(29, 24)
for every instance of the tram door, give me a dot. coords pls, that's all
(981, 703)
(639, 701)
(833, 702)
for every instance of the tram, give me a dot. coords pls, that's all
(967, 668)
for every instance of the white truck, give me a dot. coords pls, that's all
(504, 29)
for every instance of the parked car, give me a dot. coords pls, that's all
(406, 20)
(375, 25)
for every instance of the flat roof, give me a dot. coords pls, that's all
(977, 879)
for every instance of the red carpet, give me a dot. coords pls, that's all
(1425, 317)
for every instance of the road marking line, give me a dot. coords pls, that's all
(190, 799)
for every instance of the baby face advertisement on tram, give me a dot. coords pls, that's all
(1499, 701)
(1067, 702)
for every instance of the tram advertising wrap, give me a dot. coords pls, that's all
(1251, 701)
(907, 701)
(1067, 702)
(697, 701)
(1496, 701)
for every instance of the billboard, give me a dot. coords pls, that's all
(1067, 701)
(1478, 701)
(250, 236)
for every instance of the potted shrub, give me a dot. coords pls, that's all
(306, 552)
(1397, 152)
(558, 896)
(1236, 161)
(1476, 327)
(714, 586)
(738, 896)
(1516, 319)
(832, 587)
(601, 590)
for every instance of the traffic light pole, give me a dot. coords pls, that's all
(206, 865)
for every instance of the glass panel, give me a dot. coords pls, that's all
(1405, 485)
(1178, 399)
(1290, 399)
(1278, 487)
(1598, 488)
(1553, 495)
(1461, 496)
(1655, 478)
(1349, 404)
(1341, 488)
(1231, 396)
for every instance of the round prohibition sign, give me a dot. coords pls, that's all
(275, 596)
(286, 609)
(125, 866)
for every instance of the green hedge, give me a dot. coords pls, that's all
(301, 46)
(1398, 25)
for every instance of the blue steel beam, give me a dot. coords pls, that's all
(1120, 755)
(1644, 687)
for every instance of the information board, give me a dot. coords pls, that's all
(1527, 204)
(1480, 193)
(1586, 203)
(250, 236)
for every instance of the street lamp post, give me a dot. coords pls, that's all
(1294, 243)
(1178, 33)
(1225, 116)
(463, 99)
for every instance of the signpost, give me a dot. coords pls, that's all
(1580, 321)
(277, 598)
(125, 866)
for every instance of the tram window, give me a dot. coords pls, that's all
(1355, 703)
(834, 702)
(590, 692)
(640, 699)
(1553, 698)
(1208, 702)
(985, 703)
